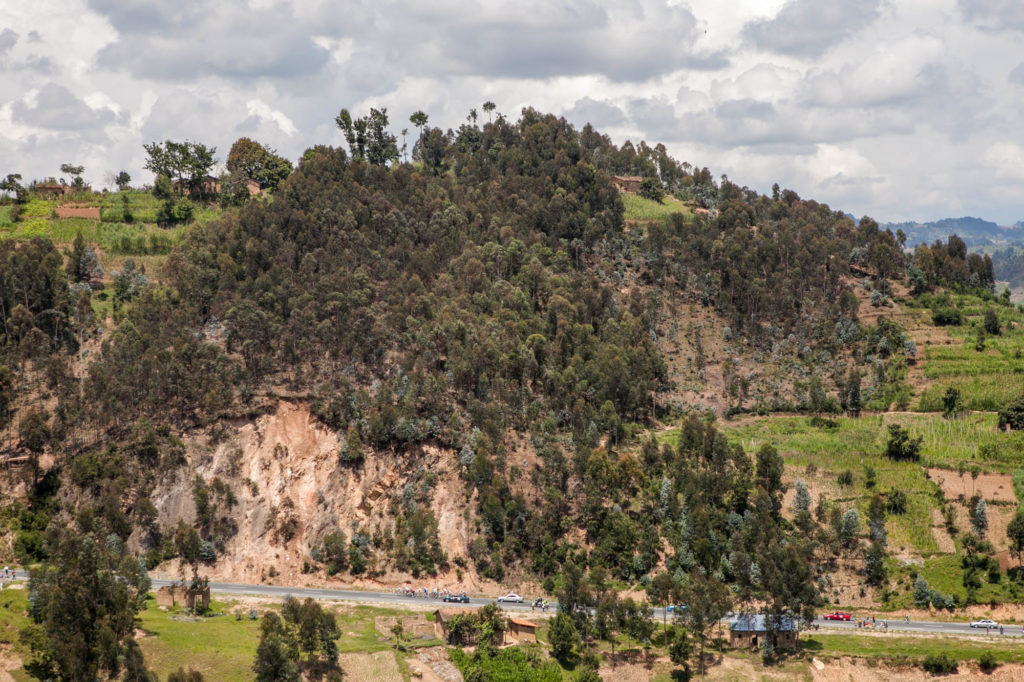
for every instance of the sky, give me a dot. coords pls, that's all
(903, 110)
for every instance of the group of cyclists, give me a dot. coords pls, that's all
(423, 592)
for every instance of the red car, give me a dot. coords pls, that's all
(836, 615)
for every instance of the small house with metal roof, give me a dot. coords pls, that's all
(749, 630)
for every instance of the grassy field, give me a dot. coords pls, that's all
(13, 616)
(912, 648)
(223, 647)
(220, 647)
(971, 438)
(638, 208)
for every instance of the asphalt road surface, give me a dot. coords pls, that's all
(895, 625)
(929, 626)
(351, 595)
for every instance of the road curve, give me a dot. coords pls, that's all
(280, 591)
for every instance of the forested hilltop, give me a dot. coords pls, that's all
(500, 368)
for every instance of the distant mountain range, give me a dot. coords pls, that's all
(974, 231)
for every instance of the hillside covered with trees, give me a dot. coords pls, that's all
(489, 301)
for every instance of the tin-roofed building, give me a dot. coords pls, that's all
(748, 631)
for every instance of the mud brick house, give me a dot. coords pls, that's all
(52, 190)
(205, 186)
(522, 631)
(627, 183)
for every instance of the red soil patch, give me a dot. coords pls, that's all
(993, 487)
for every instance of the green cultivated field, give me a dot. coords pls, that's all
(141, 240)
(987, 379)
(856, 443)
(638, 208)
(946, 442)
(110, 233)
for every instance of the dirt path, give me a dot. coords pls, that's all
(8, 661)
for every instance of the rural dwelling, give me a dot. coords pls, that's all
(748, 630)
(627, 183)
(52, 190)
(175, 595)
(165, 596)
(522, 631)
(204, 186)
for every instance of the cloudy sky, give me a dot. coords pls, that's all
(909, 109)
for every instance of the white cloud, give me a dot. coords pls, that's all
(1006, 159)
(896, 110)
(264, 112)
(811, 27)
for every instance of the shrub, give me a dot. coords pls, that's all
(947, 317)
(952, 403)
(901, 447)
(1012, 415)
(650, 188)
(987, 662)
(939, 664)
(992, 322)
(896, 502)
(207, 552)
(845, 478)
(922, 595)
(849, 527)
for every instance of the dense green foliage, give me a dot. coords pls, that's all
(490, 288)
(513, 664)
(83, 604)
(301, 639)
(950, 265)
(939, 664)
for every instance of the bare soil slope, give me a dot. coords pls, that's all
(291, 490)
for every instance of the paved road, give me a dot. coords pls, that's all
(348, 595)
(931, 627)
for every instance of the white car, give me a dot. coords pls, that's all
(511, 597)
(984, 623)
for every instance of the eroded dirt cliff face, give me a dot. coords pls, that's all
(291, 490)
